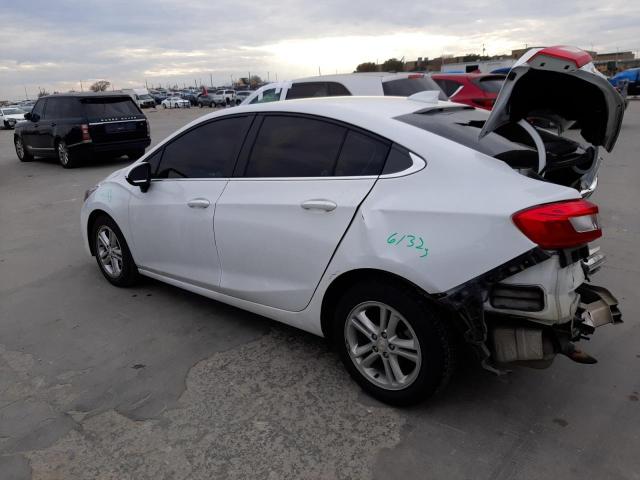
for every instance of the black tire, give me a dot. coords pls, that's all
(65, 157)
(135, 154)
(200, 104)
(436, 346)
(128, 274)
(25, 156)
(164, 105)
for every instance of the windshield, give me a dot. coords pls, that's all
(105, 107)
(404, 87)
(145, 97)
(12, 111)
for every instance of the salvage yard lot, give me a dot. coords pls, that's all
(155, 382)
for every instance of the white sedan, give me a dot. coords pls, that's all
(175, 102)
(384, 224)
(9, 116)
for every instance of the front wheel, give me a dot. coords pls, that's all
(112, 253)
(394, 345)
(21, 150)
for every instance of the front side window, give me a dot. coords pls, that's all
(295, 147)
(269, 95)
(38, 108)
(316, 89)
(207, 151)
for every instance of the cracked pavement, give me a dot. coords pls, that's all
(154, 382)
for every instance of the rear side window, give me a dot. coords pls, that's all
(207, 151)
(449, 87)
(295, 147)
(361, 155)
(407, 86)
(109, 107)
(316, 89)
(491, 84)
(64, 108)
(397, 161)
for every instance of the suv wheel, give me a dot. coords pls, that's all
(21, 150)
(112, 253)
(392, 343)
(65, 157)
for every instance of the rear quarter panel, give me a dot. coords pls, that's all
(445, 224)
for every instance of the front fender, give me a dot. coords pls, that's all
(112, 198)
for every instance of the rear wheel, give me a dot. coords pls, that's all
(65, 157)
(21, 150)
(112, 253)
(392, 342)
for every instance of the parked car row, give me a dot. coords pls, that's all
(390, 259)
(10, 116)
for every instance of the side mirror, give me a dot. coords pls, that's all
(140, 176)
(27, 116)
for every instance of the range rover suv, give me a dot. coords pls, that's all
(79, 126)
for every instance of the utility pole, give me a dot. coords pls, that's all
(146, 84)
(211, 80)
(25, 92)
(267, 77)
(81, 89)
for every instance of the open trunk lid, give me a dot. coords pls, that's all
(560, 84)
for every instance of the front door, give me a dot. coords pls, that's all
(278, 225)
(172, 223)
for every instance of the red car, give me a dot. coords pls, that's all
(475, 89)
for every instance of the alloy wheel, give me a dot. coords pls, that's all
(19, 148)
(382, 345)
(109, 251)
(63, 154)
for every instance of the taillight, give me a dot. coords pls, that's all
(560, 225)
(85, 133)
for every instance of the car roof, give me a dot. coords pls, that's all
(87, 95)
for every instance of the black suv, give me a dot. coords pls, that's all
(77, 126)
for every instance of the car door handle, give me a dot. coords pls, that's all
(53, 124)
(319, 204)
(198, 203)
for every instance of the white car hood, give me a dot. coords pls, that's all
(560, 83)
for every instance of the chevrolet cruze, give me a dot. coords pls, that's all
(398, 228)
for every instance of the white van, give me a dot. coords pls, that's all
(141, 96)
(369, 84)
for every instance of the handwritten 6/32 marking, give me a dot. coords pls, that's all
(410, 241)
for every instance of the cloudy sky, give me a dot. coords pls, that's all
(56, 44)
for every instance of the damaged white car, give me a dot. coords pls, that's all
(398, 228)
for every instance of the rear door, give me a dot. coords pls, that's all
(295, 191)
(114, 119)
(172, 223)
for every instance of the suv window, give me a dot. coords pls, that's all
(38, 108)
(109, 107)
(295, 147)
(316, 89)
(269, 95)
(407, 86)
(491, 84)
(63, 108)
(361, 155)
(207, 151)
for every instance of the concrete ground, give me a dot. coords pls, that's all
(156, 383)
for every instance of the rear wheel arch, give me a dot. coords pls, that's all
(340, 284)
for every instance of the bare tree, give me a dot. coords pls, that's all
(100, 86)
(43, 93)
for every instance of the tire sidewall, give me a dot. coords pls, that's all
(434, 343)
